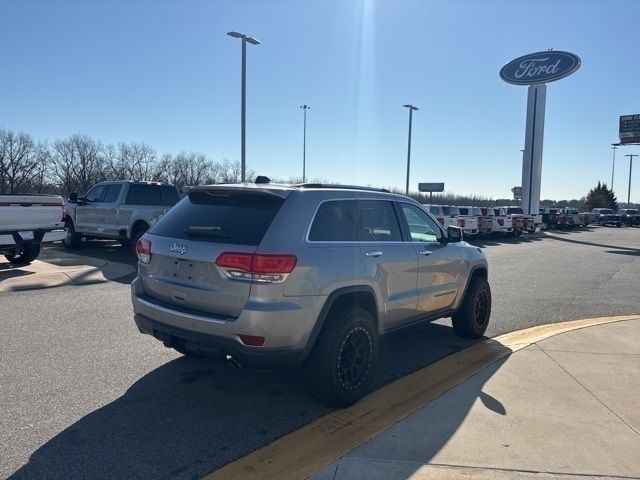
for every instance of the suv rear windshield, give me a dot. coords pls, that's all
(237, 218)
(515, 210)
(151, 194)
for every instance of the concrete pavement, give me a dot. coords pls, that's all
(564, 407)
(57, 268)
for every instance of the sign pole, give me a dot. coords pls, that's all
(532, 157)
(631, 155)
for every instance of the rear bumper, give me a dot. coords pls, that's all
(285, 325)
(7, 239)
(218, 346)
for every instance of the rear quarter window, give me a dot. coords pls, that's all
(160, 195)
(235, 218)
(335, 221)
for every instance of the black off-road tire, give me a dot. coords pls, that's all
(345, 332)
(27, 255)
(73, 240)
(472, 318)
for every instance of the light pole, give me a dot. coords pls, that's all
(631, 155)
(243, 114)
(411, 109)
(304, 142)
(613, 169)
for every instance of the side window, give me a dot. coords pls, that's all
(377, 222)
(95, 194)
(112, 193)
(335, 221)
(421, 226)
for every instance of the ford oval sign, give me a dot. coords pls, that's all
(541, 67)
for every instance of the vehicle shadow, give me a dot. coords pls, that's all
(189, 417)
(117, 263)
(604, 245)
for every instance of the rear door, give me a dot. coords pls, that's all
(439, 264)
(186, 242)
(388, 259)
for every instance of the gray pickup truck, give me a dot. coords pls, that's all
(121, 210)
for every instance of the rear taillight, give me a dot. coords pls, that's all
(501, 222)
(64, 213)
(461, 222)
(252, 340)
(143, 249)
(259, 267)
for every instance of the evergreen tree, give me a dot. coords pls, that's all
(601, 197)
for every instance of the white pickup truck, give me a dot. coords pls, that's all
(468, 223)
(26, 221)
(445, 221)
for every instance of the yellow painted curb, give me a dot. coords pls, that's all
(307, 450)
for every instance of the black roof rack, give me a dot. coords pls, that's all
(341, 187)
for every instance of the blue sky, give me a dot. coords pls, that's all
(166, 73)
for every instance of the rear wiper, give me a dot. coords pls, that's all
(205, 231)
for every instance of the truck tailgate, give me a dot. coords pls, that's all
(30, 212)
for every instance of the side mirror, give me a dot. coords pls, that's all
(73, 197)
(454, 234)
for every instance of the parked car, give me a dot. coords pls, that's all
(312, 275)
(606, 216)
(27, 221)
(572, 217)
(485, 223)
(501, 224)
(630, 216)
(121, 210)
(445, 220)
(518, 215)
(552, 218)
(468, 223)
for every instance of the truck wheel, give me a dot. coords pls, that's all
(27, 255)
(472, 318)
(72, 240)
(343, 362)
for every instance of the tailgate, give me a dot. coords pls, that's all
(187, 241)
(27, 213)
(184, 273)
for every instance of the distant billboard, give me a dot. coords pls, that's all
(629, 131)
(431, 187)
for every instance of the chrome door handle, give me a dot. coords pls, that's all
(425, 252)
(374, 253)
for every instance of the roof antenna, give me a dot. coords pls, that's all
(262, 179)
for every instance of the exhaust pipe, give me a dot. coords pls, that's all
(232, 361)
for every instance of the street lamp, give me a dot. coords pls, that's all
(631, 155)
(411, 109)
(243, 114)
(613, 169)
(304, 142)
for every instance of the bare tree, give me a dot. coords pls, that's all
(77, 163)
(135, 161)
(18, 161)
(187, 168)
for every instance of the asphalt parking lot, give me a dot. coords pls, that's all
(84, 395)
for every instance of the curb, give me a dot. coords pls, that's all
(306, 451)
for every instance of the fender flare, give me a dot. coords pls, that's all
(326, 308)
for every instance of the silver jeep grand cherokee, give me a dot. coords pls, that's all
(306, 275)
